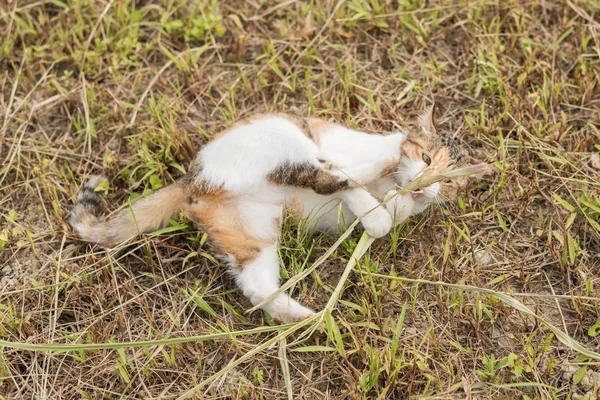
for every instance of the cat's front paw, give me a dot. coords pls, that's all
(377, 223)
(400, 206)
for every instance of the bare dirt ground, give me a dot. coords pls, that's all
(132, 89)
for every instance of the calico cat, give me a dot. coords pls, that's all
(240, 182)
(420, 149)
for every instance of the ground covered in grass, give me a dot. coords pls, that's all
(133, 88)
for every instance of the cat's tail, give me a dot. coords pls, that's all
(146, 215)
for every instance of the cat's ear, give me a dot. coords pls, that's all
(427, 120)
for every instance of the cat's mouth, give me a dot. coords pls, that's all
(417, 194)
(428, 192)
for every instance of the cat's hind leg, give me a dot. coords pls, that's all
(259, 279)
(245, 229)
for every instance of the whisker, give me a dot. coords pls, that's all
(442, 197)
(440, 200)
(443, 202)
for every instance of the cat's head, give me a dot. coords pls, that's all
(426, 147)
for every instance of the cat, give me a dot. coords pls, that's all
(240, 182)
(422, 148)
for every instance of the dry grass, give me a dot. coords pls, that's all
(133, 88)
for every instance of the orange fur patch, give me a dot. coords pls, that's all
(441, 158)
(217, 213)
(414, 148)
(411, 149)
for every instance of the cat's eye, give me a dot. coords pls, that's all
(447, 181)
(426, 159)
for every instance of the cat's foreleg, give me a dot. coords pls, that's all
(366, 172)
(399, 206)
(374, 217)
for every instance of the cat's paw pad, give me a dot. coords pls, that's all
(377, 223)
